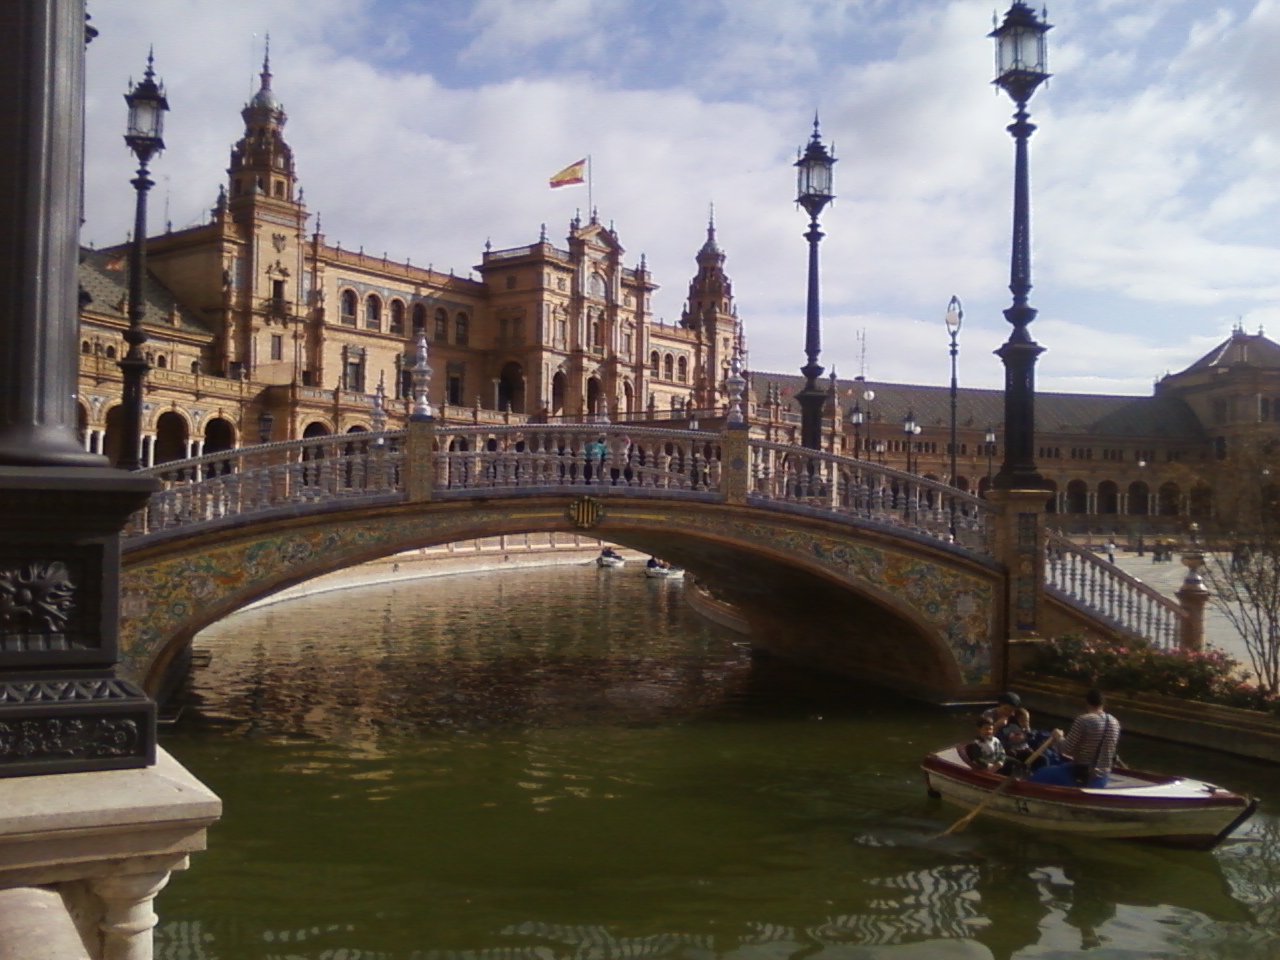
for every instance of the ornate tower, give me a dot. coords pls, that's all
(265, 221)
(261, 162)
(709, 312)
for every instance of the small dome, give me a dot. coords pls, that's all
(265, 99)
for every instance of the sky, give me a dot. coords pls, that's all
(426, 128)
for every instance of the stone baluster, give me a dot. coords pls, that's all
(128, 917)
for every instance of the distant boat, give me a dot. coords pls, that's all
(1134, 805)
(661, 570)
(609, 559)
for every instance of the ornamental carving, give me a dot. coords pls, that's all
(55, 738)
(36, 598)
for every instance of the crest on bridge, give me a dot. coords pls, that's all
(585, 512)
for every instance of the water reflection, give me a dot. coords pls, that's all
(568, 765)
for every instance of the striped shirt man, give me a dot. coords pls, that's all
(1093, 739)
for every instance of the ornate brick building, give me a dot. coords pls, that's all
(259, 329)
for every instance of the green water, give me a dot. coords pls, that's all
(567, 764)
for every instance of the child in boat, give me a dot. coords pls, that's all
(986, 752)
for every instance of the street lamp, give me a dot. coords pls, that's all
(869, 396)
(953, 320)
(910, 430)
(1020, 68)
(266, 423)
(990, 439)
(144, 136)
(813, 185)
(856, 418)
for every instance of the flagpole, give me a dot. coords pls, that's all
(591, 204)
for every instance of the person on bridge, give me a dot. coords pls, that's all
(1089, 749)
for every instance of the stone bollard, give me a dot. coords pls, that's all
(735, 463)
(419, 459)
(1193, 596)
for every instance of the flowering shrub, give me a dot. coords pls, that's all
(1136, 666)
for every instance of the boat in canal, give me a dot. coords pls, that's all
(610, 558)
(1134, 805)
(662, 570)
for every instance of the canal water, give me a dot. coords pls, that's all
(568, 764)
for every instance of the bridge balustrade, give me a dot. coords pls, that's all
(1086, 580)
(252, 480)
(868, 491)
(600, 456)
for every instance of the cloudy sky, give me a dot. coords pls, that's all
(423, 128)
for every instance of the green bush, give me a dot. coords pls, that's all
(1138, 667)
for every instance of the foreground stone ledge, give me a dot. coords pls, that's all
(101, 845)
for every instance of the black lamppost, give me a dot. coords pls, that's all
(266, 426)
(813, 179)
(147, 107)
(953, 320)
(990, 439)
(857, 417)
(1020, 68)
(910, 430)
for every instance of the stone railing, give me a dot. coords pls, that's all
(600, 456)
(254, 480)
(607, 459)
(1084, 579)
(860, 489)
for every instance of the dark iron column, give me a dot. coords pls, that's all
(1020, 68)
(61, 509)
(814, 193)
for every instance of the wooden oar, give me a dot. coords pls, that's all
(964, 821)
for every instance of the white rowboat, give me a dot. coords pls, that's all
(1134, 805)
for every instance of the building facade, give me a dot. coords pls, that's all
(261, 330)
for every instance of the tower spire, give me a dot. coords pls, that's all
(265, 75)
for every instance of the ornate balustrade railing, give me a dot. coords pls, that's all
(251, 480)
(1084, 578)
(603, 458)
(868, 491)
(599, 456)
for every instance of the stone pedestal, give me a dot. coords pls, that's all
(1018, 543)
(105, 843)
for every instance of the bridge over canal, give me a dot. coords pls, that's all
(838, 562)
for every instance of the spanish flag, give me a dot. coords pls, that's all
(573, 173)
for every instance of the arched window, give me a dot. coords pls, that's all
(162, 361)
(397, 316)
(1077, 497)
(419, 319)
(347, 312)
(682, 370)
(442, 326)
(461, 329)
(373, 312)
(85, 348)
(111, 352)
(668, 367)
(654, 362)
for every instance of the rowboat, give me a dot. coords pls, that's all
(610, 560)
(1134, 805)
(665, 573)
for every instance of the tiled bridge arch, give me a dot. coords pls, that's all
(839, 562)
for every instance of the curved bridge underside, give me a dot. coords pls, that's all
(918, 616)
